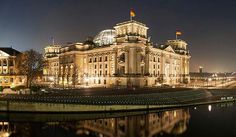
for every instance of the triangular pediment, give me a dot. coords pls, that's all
(169, 49)
(3, 54)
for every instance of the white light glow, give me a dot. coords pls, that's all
(209, 108)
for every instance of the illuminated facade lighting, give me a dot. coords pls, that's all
(124, 56)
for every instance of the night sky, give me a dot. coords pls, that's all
(208, 26)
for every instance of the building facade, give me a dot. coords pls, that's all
(8, 69)
(123, 56)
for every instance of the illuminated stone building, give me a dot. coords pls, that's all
(8, 70)
(123, 56)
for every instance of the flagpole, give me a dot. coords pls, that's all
(53, 41)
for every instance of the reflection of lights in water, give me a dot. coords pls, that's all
(209, 107)
(4, 123)
(87, 132)
(112, 124)
(4, 134)
(174, 113)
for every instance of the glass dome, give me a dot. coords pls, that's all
(105, 37)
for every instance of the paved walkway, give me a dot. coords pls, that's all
(144, 97)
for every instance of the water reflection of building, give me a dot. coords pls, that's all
(170, 122)
(5, 129)
(149, 125)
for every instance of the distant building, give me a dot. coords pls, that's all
(207, 79)
(8, 69)
(123, 56)
(200, 69)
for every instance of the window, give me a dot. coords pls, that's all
(122, 57)
(100, 59)
(106, 72)
(158, 59)
(105, 58)
(100, 72)
(11, 71)
(95, 66)
(105, 65)
(154, 66)
(100, 66)
(95, 59)
(4, 62)
(105, 82)
(90, 60)
(4, 71)
(154, 59)
(10, 62)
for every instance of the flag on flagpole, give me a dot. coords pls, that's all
(132, 13)
(178, 32)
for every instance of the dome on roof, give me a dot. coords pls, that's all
(105, 37)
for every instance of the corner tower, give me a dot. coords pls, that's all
(131, 31)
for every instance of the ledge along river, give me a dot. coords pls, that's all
(216, 120)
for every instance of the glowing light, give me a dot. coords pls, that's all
(86, 79)
(51, 78)
(12, 85)
(209, 108)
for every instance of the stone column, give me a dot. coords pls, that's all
(115, 58)
(127, 71)
(138, 63)
(108, 64)
(146, 68)
(133, 60)
(14, 66)
(8, 66)
(1, 66)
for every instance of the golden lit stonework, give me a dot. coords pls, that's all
(123, 56)
(9, 76)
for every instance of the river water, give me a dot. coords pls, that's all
(218, 120)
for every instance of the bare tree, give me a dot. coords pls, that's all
(29, 63)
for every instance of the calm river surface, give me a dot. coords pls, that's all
(217, 120)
